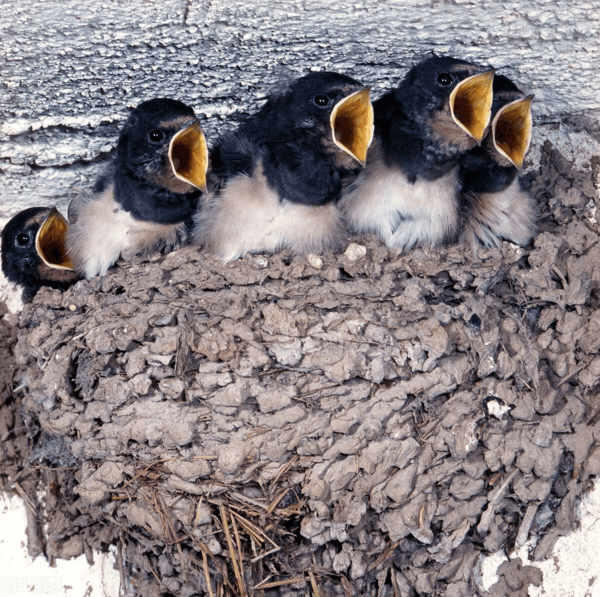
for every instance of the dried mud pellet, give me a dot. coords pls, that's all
(140, 384)
(231, 457)
(317, 489)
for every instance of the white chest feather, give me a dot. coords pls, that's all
(247, 216)
(103, 231)
(404, 214)
(509, 214)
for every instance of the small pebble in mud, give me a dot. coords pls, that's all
(496, 407)
(260, 262)
(314, 261)
(355, 252)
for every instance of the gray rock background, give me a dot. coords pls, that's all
(71, 70)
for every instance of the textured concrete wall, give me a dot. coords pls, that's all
(70, 70)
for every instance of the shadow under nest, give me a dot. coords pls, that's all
(358, 424)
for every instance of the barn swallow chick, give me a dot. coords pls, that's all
(281, 173)
(409, 192)
(495, 207)
(150, 190)
(34, 251)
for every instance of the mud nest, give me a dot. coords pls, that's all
(354, 424)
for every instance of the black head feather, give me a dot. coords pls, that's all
(504, 91)
(403, 118)
(291, 137)
(428, 85)
(21, 263)
(145, 184)
(482, 169)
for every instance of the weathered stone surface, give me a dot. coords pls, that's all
(71, 70)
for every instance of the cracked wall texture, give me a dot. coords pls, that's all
(71, 70)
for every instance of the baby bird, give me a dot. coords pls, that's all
(495, 207)
(408, 193)
(141, 204)
(34, 251)
(280, 174)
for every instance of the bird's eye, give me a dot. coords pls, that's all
(321, 100)
(444, 79)
(156, 136)
(23, 239)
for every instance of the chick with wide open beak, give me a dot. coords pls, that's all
(352, 124)
(188, 154)
(50, 241)
(511, 130)
(471, 104)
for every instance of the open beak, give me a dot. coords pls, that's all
(471, 103)
(50, 241)
(511, 130)
(352, 125)
(188, 154)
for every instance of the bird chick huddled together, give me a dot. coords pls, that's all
(431, 162)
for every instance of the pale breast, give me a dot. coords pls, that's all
(103, 230)
(404, 214)
(248, 216)
(509, 215)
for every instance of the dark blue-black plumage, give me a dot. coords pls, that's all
(21, 263)
(408, 193)
(140, 203)
(288, 135)
(494, 205)
(145, 185)
(406, 124)
(274, 168)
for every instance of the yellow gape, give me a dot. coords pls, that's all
(188, 153)
(352, 124)
(50, 241)
(471, 104)
(511, 130)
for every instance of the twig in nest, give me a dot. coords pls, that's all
(221, 568)
(258, 431)
(526, 523)
(496, 496)
(265, 554)
(576, 371)
(242, 498)
(143, 471)
(169, 528)
(147, 562)
(285, 469)
(277, 500)
(387, 553)
(35, 544)
(238, 545)
(24, 496)
(394, 584)
(121, 566)
(313, 584)
(346, 586)
(232, 552)
(206, 574)
(255, 531)
(278, 583)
